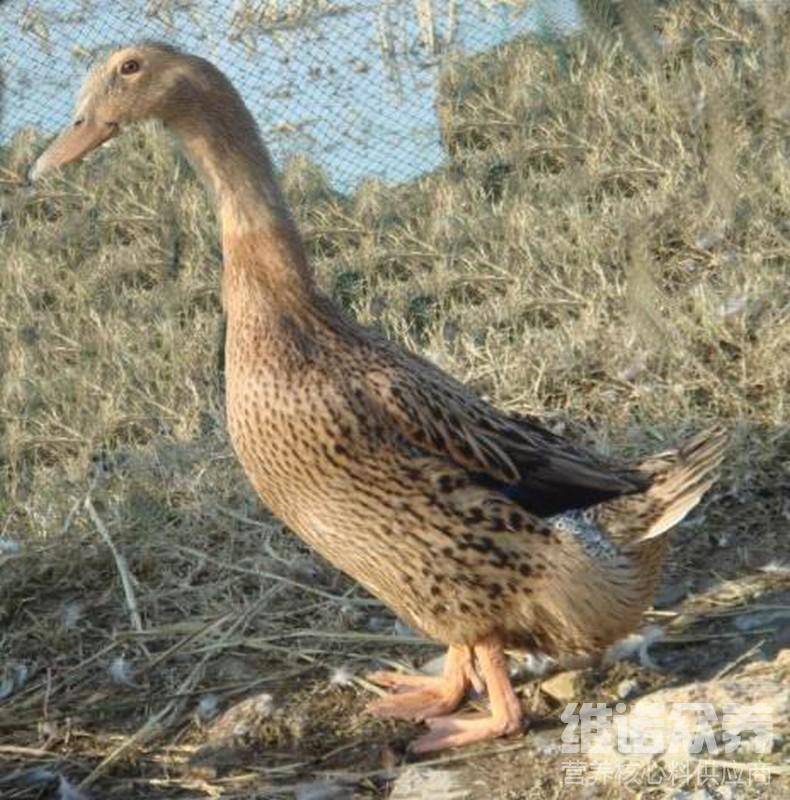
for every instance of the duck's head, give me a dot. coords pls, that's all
(147, 81)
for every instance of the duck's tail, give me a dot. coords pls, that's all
(679, 479)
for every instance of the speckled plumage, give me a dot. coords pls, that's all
(482, 529)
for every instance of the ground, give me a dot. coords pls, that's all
(607, 247)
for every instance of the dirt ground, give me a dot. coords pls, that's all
(239, 706)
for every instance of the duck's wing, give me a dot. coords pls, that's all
(543, 472)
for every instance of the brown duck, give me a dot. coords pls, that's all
(480, 528)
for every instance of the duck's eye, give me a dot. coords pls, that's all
(130, 67)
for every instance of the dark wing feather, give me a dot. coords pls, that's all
(514, 455)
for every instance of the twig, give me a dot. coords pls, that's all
(29, 752)
(141, 735)
(466, 755)
(70, 517)
(120, 563)
(709, 637)
(334, 636)
(752, 609)
(181, 643)
(739, 660)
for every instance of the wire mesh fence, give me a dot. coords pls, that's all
(351, 84)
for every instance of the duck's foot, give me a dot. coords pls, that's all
(420, 697)
(504, 719)
(458, 730)
(417, 704)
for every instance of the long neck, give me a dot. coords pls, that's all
(261, 245)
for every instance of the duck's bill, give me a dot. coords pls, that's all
(73, 144)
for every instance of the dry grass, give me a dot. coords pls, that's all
(608, 248)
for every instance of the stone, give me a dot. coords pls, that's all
(564, 687)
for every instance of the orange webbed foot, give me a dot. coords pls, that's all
(505, 716)
(415, 697)
(421, 697)
(459, 730)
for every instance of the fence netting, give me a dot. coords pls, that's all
(350, 84)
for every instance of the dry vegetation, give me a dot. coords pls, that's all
(608, 248)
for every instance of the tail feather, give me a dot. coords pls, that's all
(679, 479)
(678, 490)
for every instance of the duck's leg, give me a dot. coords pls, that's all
(505, 716)
(419, 697)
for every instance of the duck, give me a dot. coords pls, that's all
(481, 529)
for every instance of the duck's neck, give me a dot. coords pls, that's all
(262, 250)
